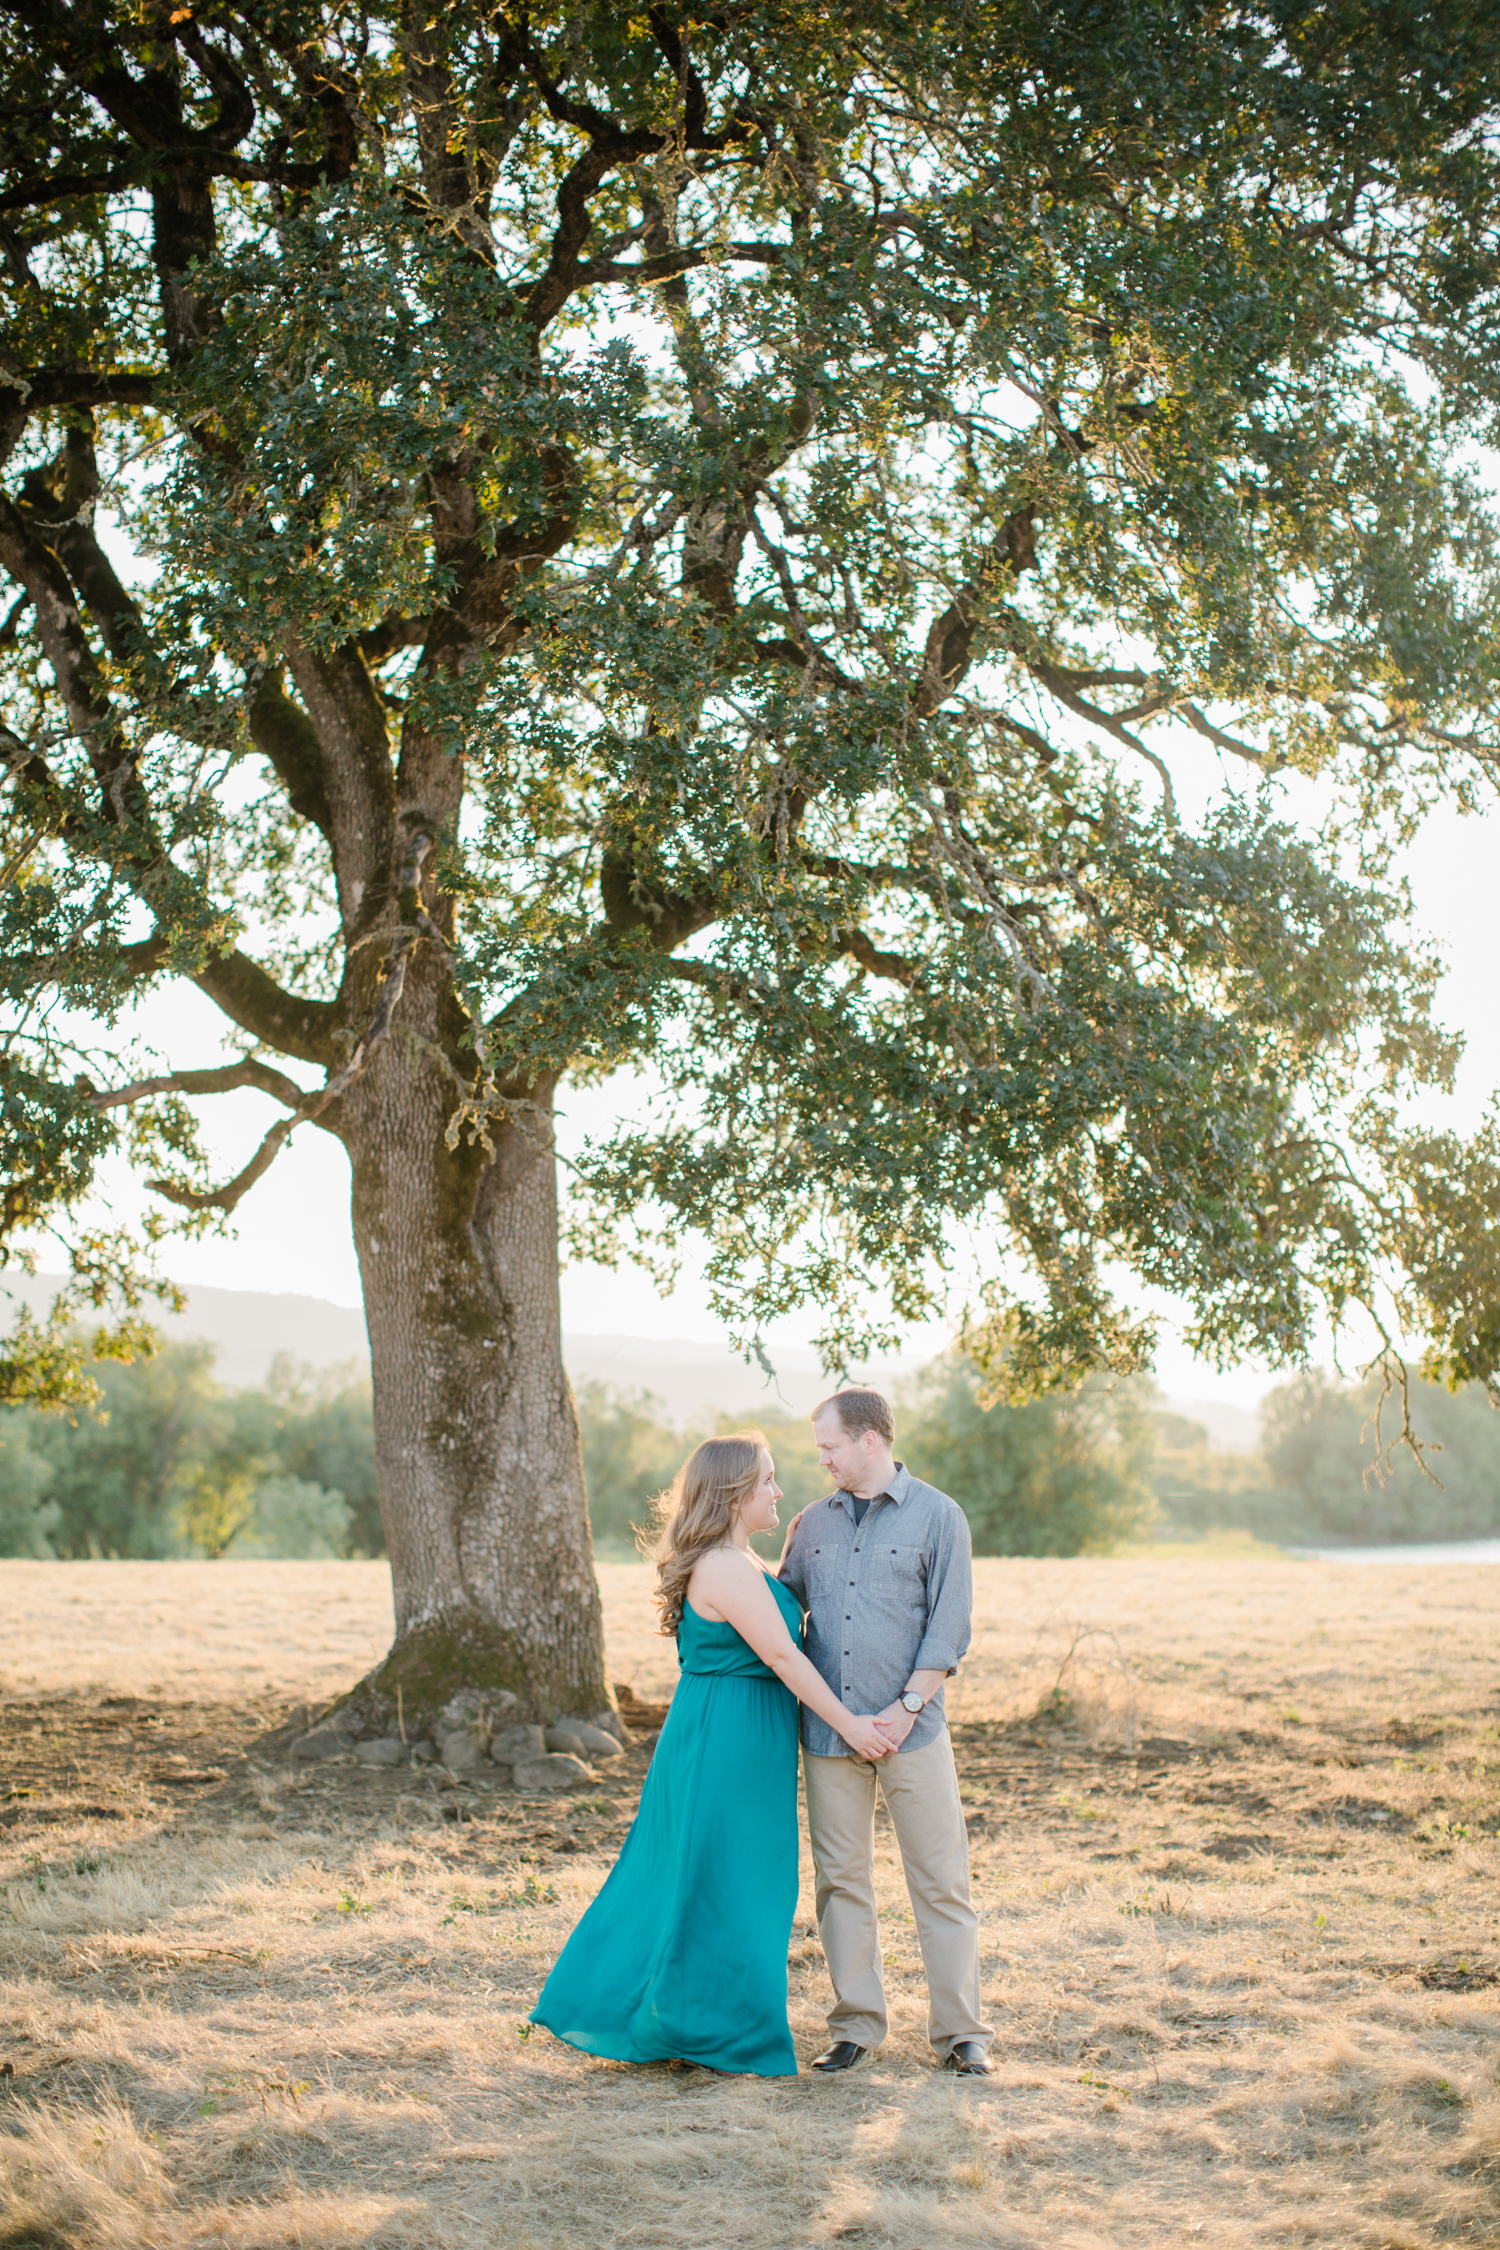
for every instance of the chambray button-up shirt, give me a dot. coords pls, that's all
(884, 1598)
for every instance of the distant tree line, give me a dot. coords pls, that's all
(1321, 1478)
(177, 1465)
(174, 1464)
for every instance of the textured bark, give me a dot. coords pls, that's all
(481, 1474)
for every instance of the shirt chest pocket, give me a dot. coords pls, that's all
(824, 1570)
(903, 1570)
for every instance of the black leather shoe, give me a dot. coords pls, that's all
(844, 2055)
(967, 2057)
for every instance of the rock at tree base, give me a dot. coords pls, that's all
(516, 1744)
(477, 1709)
(461, 1752)
(323, 1742)
(557, 1772)
(385, 1750)
(583, 1739)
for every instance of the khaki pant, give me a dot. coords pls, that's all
(920, 1788)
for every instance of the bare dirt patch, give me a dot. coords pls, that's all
(1234, 1843)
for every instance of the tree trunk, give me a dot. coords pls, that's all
(476, 1437)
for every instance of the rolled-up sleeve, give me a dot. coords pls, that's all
(950, 1595)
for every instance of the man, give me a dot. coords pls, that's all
(883, 1569)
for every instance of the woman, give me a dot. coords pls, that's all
(683, 1953)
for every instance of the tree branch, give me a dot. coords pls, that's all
(288, 738)
(237, 984)
(383, 640)
(857, 943)
(1216, 735)
(118, 163)
(60, 501)
(611, 142)
(226, 1197)
(78, 386)
(149, 109)
(646, 272)
(696, 135)
(354, 760)
(226, 1080)
(877, 963)
(272, 1016)
(20, 855)
(234, 982)
(632, 904)
(709, 979)
(951, 637)
(73, 663)
(143, 958)
(556, 284)
(312, 1105)
(1056, 684)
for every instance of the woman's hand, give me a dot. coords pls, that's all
(865, 1739)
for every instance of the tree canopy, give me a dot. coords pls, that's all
(545, 540)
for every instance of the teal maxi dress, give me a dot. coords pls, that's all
(682, 1955)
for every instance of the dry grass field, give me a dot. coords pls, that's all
(1235, 1849)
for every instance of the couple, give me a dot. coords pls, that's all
(683, 1953)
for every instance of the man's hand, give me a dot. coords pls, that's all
(896, 1721)
(866, 1737)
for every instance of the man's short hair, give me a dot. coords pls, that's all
(860, 1411)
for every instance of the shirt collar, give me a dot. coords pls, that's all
(896, 1490)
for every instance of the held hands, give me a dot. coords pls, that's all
(895, 1723)
(882, 1736)
(867, 1738)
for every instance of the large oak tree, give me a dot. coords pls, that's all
(547, 539)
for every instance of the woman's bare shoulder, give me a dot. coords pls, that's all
(723, 1573)
(724, 1566)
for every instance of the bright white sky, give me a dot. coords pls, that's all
(293, 1229)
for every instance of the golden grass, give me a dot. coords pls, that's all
(1234, 1851)
(186, 1629)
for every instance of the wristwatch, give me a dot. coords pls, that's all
(913, 1702)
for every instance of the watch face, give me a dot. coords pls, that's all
(913, 1703)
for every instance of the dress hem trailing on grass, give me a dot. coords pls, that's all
(582, 2043)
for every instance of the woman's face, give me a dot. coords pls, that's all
(759, 1511)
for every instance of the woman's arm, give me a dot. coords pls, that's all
(733, 1591)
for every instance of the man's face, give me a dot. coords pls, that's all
(845, 1458)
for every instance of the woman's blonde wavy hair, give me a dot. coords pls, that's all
(696, 1511)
